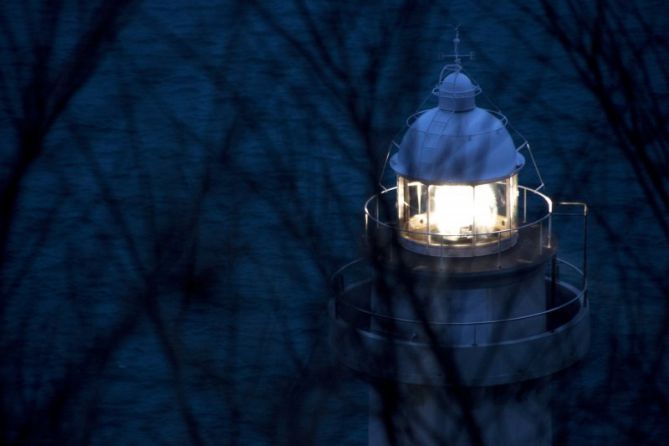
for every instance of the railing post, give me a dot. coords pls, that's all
(584, 281)
(541, 237)
(499, 250)
(524, 205)
(585, 253)
(551, 318)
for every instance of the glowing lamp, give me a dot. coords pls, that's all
(457, 184)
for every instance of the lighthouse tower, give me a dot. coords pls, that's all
(461, 309)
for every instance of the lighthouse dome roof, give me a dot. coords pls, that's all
(447, 146)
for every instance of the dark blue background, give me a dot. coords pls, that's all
(179, 179)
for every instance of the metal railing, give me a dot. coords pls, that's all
(380, 213)
(342, 288)
(566, 284)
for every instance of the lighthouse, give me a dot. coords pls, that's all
(461, 308)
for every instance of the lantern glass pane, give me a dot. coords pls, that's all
(457, 214)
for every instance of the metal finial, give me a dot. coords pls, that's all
(456, 42)
(457, 63)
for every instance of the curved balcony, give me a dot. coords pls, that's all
(445, 352)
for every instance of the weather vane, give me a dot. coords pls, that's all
(456, 54)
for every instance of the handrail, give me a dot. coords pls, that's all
(580, 296)
(497, 113)
(340, 270)
(547, 200)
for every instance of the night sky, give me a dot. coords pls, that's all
(179, 180)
